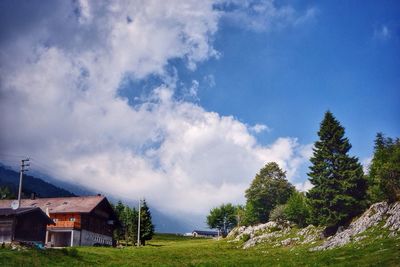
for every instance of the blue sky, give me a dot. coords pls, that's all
(186, 100)
(288, 78)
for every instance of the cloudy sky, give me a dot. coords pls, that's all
(182, 102)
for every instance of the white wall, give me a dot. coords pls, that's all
(90, 238)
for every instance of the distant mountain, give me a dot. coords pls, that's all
(31, 185)
(47, 186)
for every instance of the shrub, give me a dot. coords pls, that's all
(278, 214)
(73, 252)
(245, 237)
(297, 210)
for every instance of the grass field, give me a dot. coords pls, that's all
(171, 250)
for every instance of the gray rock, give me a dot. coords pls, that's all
(393, 220)
(377, 213)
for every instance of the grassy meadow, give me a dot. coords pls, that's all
(171, 250)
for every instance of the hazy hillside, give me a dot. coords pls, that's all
(31, 184)
(50, 187)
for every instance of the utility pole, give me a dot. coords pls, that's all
(23, 165)
(138, 229)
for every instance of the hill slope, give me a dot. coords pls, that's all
(45, 188)
(31, 184)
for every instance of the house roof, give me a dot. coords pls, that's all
(83, 204)
(201, 232)
(8, 212)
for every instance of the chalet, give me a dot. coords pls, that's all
(200, 233)
(23, 225)
(78, 221)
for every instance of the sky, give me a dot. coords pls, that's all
(182, 102)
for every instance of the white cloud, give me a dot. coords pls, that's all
(304, 186)
(60, 105)
(382, 33)
(366, 162)
(265, 15)
(258, 128)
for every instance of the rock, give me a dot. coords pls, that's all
(310, 234)
(393, 221)
(374, 215)
(392, 234)
(236, 231)
(253, 231)
(262, 238)
(290, 241)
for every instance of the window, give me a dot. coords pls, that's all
(72, 219)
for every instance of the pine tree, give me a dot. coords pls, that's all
(146, 225)
(119, 232)
(339, 191)
(384, 171)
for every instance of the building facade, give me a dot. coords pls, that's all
(23, 225)
(78, 221)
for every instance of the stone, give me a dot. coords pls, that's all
(377, 213)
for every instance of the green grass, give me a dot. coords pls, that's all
(171, 250)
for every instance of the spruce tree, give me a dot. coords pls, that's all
(339, 191)
(384, 171)
(146, 225)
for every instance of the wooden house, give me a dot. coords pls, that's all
(23, 225)
(78, 221)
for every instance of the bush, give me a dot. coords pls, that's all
(278, 214)
(245, 237)
(73, 252)
(297, 210)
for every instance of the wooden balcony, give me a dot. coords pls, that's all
(65, 224)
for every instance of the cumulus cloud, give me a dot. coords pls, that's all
(60, 105)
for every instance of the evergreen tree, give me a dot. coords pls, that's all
(339, 191)
(6, 193)
(146, 225)
(119, 232)
(384, 171)
(268, 189)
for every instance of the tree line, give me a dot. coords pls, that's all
(126, 231)
(340, 189)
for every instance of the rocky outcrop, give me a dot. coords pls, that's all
(251, 232)
(376, 214)
(275, 233)
(285, 234)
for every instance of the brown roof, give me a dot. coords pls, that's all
(8, 212)
(60, 204)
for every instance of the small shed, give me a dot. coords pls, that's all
(23, 224)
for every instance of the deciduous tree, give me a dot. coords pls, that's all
(268, 189)
(223, 218)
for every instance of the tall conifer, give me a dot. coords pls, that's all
(339, 191)
(146, 224)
